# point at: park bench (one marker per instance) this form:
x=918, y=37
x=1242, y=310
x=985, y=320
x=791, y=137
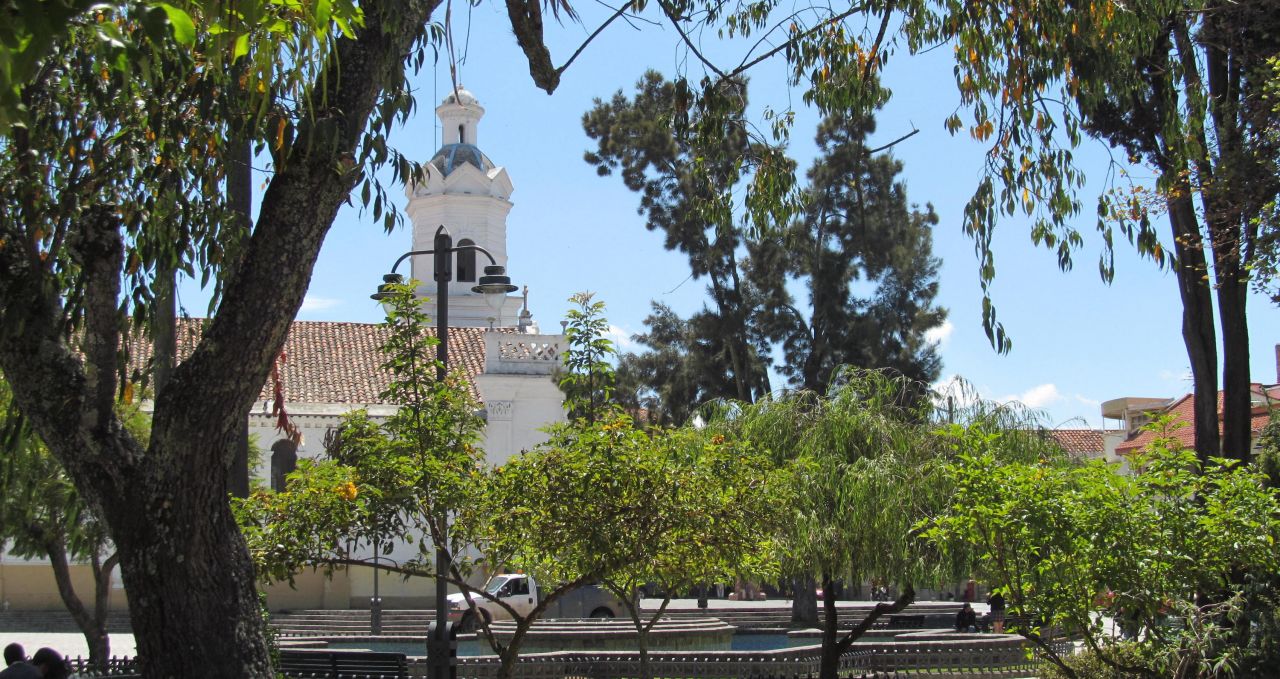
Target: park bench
x=300, y=664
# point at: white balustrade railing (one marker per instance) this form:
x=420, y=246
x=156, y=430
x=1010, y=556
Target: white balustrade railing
x=520, y=354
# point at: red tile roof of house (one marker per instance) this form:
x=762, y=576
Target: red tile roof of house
x=1079, y=441
x=1183, y=410
x=332, y=362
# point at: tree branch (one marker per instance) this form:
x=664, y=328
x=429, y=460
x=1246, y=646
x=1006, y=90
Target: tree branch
x=791, y=41
x=883, y=608
x=895, y=142
x=616, y=15
x=526, y=23
x=675, y=22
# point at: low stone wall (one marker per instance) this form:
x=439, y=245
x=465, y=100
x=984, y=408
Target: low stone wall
x=972, y=657
x=994, y=657
x=687, y=634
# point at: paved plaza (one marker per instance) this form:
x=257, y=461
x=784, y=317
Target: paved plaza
x=69, y=644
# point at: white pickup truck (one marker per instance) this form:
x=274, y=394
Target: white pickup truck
x=520, y=592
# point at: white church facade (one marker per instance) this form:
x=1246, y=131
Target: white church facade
x=328, y=369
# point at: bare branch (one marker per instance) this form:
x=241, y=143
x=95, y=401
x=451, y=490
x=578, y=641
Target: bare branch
x=675, y=22
x=843, y=15
x=616, y=15
x=904, y=137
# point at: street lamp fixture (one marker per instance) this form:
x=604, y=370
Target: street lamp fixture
x=494, y=285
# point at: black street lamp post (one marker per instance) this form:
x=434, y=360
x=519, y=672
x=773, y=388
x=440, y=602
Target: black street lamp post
x=494, y=285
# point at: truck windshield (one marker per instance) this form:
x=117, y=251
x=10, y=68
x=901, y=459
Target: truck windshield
x=495, y=585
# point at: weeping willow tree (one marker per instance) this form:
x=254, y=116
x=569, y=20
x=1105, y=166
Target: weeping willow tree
x=864, y=463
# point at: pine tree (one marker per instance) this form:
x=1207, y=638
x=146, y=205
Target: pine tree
x=863, y=253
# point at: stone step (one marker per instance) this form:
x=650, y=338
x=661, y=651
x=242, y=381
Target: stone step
x=57, y=621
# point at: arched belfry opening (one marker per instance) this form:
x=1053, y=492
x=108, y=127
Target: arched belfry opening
x=466, y=262
x=284, y=459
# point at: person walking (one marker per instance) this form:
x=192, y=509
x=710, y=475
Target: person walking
x=996, y=602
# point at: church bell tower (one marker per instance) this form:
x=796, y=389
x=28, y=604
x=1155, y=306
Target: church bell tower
x=470, y=196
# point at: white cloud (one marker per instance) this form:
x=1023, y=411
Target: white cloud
x=1087, y=401
x=957, y=393
x=939, y=334
x=312, y=303
x=1039, y=396
x=621, y=339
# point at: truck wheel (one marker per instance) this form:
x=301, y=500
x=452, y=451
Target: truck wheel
x=602, y=613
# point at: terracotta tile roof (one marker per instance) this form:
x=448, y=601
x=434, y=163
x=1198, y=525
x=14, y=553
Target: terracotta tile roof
x=1183, y=410
x=333, y=362
x=1079, y=441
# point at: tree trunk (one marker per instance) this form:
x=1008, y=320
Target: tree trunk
x=240, y=200
x=92, y=625
x=804, y=600
x=102, y=606
x=829, y=665
x=509, y=657
x=1237, y=407
x=642, y=642
x=1197, y=320
x=193, y=603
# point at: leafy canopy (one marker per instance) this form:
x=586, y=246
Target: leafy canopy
x=1065, y=541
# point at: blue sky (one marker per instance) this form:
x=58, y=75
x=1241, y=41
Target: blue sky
x=1077, y=342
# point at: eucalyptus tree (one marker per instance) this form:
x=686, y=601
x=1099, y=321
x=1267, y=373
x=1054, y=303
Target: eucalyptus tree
x=865, y=467
x=114, y=177
x=1176, y=87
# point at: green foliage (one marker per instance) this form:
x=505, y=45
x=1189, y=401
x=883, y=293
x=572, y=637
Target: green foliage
x=861, y=468
x=672, y=507
x=1090, y=664
x=43, y=516
x=380, y=482
x=1268, y=443
x=1038, y=77
x=1067, y=541
x=679, y=369
x=686, y=167
x=865, y=256
x=588, y=379
x=247, y=38
x=854, y=456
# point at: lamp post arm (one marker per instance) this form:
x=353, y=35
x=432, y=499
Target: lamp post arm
x=458, y=248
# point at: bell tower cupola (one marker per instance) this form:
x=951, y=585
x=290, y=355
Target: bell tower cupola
x=464, y=191
x=460, y=116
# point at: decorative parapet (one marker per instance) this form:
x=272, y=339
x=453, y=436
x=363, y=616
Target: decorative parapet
x=521, y=354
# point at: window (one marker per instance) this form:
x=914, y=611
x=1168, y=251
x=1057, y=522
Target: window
x=284, y=458
x=466, y=261
x=462, y=136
